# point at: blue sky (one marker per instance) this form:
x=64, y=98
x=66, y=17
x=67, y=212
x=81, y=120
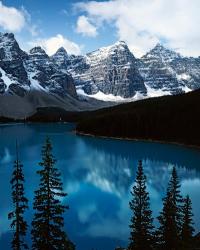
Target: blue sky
x=52, y=17
x=83, y=26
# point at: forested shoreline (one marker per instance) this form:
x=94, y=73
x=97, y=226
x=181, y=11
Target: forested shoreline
x=173, y=119
x=169, y=119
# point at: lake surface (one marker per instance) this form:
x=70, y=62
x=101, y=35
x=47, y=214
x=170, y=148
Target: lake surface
x=97, y=175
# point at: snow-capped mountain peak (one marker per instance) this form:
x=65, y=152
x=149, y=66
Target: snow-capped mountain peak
x=21, y=72
x=104, y=52
x=61, y=50
x=61, y=58
x=162, y=53
x=9, y=48
x=108, y=70
x=38, y=51
x=109, y=73
x=166, y=70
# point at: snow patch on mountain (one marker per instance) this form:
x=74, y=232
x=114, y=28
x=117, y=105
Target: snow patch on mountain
x=151, y=92
x=34, y=82
x=183, y=76
x=5, y=78
x=186, y=89
x=109, y=97
x=101, y=96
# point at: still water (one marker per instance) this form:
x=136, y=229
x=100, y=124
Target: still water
x=97, y=175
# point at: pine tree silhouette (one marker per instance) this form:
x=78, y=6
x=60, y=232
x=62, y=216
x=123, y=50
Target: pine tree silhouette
x=170, y=218
x=141, y=222
x=20, y=203
x=187, y=227
x=48, y=221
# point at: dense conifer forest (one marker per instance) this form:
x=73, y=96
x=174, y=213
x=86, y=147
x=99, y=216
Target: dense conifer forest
x=169, y=119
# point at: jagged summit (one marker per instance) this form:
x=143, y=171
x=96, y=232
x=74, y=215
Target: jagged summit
x=160, y=51
x=21, y=72
x=159, y=46
x=61, y=58
x=109, y=71
x=61, y=50
x=38, y=51
x=104, y=51
x=167, y=71
x=9, y=48
x=120, y=43
x=8, y=35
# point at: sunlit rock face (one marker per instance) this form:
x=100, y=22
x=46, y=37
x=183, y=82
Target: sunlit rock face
x=108, y=74
x=13, y=76
x=188, y=71
x=111, y=70
x=21, y=72
x=166, y=70
x=45, y=75
x=114, y=70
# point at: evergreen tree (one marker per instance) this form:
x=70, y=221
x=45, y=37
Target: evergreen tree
x=141, y=222
x=187, y=227
x=170, y=218
x=48, y=221
x=20, y=203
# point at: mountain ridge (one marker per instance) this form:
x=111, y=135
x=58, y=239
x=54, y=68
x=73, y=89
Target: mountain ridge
x=104, y=77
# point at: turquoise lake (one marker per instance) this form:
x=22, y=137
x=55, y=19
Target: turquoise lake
x=97, y=175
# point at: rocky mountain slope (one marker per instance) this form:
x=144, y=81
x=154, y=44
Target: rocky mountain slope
x=34, y=79
x=110, y=70
x=166, y=70
x=31, y=80
x=114, y=70
x=21, y=72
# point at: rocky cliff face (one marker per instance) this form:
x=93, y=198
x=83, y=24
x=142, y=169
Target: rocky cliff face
x=13, y=76
x=166, y=70
x=187, y=71
x=114, y=70
x=44, y=75
x=21, y=72
x=111, y=70
x=156, y=71
x=31, y=80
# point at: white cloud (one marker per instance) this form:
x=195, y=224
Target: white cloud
x=85, y=28
x=32, y=28
x=11, y=19
x=52, y=44
x=143, y=23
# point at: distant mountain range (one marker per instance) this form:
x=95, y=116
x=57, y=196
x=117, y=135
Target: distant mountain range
x=34, y=79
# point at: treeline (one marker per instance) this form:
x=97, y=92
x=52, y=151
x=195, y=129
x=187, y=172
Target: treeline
x=168, y=118
x=175, y=229
x=55, y=114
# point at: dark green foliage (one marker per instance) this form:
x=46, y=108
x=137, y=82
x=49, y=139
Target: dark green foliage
x=55, y=114
x=187, y=227
x=141, y=222
x=20, y=203
x=48, y=222
x=168, y=118
x=170, y=218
